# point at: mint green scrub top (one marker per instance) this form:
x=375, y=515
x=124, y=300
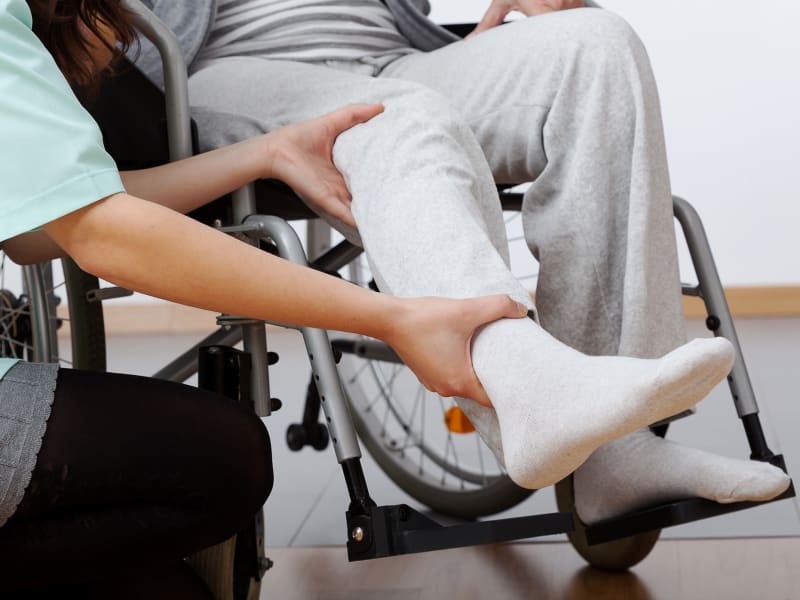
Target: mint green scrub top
x=52, y=160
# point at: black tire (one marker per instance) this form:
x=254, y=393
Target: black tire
x=247, y=567
x=617, y=555
x=230, y=569
x=88, y=336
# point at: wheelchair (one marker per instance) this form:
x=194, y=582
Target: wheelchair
x=355, y=382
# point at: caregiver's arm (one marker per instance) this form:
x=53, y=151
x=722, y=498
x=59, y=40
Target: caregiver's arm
x=299, y=154
x=146, y=247
x=33, y=247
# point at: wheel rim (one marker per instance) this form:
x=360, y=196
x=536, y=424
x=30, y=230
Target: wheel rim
x=408, y=421
x=31, y=320
x=28, y=321
x=616, y=555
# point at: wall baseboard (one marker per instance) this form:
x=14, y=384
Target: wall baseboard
x=151, y=318
x=777, y=301
x=166, y=318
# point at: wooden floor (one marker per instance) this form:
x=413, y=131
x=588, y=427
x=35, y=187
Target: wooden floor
x=729, y=569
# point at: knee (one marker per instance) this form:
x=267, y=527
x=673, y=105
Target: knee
x=264, y=477
x=407, y=145
x=238, y=475
x=421, y=105
x=413, y=115
x=605, y=35
x=250, y=476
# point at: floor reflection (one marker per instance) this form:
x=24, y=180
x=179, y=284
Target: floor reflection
x=598, y=585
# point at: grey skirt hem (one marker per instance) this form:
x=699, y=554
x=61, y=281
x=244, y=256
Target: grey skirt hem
x=26, y=398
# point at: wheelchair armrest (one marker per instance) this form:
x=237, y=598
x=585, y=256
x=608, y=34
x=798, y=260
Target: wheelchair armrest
x=144, y=127
x=176, y=86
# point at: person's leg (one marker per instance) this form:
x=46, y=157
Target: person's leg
x=133, y=473
x=568, y=100
x=426, y=206
x=422, y=239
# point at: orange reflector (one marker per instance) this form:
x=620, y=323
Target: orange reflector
x=457, y=421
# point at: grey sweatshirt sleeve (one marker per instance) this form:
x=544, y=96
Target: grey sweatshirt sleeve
x=190, y=20
x=412, y=21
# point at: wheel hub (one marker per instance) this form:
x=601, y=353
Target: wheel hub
x=15, y=324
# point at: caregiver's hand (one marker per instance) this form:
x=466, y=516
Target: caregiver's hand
x=301, y=155
x=433, y=336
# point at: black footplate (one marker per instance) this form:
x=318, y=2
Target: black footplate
x=399, y=529
x=672, y=513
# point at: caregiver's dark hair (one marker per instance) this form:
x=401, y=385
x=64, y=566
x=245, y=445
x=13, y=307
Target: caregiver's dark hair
x=58, y=23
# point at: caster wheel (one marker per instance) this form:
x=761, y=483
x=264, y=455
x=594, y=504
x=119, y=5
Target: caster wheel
x=617, y=555
x=219, y=567
x=296, y=437
x=319, y=437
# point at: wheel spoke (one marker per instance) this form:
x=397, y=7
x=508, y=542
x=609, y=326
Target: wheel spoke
x=479, y=451
x=25, y=324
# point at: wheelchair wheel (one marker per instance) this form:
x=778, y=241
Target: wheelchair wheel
x=87, y=328
x=617, y=555
x=404, y=428
x=233, y=569
x=29, y=324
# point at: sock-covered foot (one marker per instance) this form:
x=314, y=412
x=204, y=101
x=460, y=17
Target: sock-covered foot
x=641, y=469
x=555, y=406
x=484, y=419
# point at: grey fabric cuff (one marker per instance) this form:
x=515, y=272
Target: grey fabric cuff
x=26, y=398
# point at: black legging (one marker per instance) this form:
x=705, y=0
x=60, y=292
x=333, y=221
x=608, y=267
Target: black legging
x=133, y=473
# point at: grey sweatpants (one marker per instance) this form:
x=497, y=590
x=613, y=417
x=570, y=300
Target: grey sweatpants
x=566, y=100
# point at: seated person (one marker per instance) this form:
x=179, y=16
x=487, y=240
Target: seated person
x=565, y=99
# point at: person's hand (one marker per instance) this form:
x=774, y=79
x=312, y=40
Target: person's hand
x=433, y=336
x=300, y=155
x=499, y=9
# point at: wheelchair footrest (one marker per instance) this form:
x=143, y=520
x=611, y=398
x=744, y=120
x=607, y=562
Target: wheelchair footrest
x=672, y=513
x=399, y=529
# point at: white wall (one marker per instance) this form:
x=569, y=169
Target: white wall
x=729, y=77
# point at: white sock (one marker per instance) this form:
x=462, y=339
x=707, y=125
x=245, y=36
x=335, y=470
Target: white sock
x=555, y=406
x=484, y=419
x=641, y=469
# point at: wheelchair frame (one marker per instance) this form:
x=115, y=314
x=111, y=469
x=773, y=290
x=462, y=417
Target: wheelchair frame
x=377, y=531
